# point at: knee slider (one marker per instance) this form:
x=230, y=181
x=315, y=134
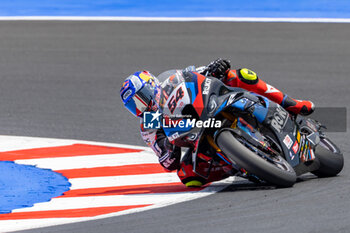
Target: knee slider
x=248, y=76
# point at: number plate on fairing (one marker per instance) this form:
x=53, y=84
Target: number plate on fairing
x=176, y=101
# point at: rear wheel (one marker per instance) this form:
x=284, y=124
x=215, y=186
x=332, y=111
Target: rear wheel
x=273, y=169
x=330, y=158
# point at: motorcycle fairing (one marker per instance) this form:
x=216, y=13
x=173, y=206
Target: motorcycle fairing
x=264, y=111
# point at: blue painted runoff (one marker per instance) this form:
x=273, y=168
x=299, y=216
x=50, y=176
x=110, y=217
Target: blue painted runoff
x=24, y=185
x=179, y=8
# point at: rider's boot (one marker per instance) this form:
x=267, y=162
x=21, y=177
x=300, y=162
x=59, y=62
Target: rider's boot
x=248, y=80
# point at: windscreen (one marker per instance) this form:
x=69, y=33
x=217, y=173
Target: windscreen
x=169, y=80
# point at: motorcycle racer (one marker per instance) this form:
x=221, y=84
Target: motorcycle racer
x=141, y=92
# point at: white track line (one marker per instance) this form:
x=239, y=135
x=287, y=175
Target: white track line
x=91, y=161
x=10, y=143
x=105, y=201
x=114, y=181
x=175, y=19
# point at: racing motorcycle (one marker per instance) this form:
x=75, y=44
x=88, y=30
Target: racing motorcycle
x=256, y=136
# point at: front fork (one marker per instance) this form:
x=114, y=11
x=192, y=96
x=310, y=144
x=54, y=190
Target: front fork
x=218, y=152
x=194, y=159
x=209, y=159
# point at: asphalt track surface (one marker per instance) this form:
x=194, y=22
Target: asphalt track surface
x=61, y=80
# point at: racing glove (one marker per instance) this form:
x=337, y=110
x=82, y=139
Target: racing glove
x=219, y=68
x=170, y=154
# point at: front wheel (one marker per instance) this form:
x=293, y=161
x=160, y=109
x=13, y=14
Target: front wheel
x=276, y=170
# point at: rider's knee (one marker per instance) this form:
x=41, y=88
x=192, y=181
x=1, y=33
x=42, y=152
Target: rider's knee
x=248, y=76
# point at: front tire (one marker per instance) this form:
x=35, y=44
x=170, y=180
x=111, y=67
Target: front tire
x=252, y=163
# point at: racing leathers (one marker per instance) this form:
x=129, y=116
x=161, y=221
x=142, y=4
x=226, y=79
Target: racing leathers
x=169, y=156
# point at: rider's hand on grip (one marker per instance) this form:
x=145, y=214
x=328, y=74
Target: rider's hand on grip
x=219, y=68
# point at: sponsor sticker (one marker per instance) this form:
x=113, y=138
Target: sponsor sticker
x=270, y=89
x=206, y=86
x=288, y=142
x=279, y=119
x=291, y=155
x=295, y=147
x=311, y=126
x=312, y=154
x=174, y=136
x=231, y=99
x=127, y=94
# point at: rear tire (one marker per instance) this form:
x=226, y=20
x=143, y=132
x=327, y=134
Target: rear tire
x=330, y=158
x=252, y=163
